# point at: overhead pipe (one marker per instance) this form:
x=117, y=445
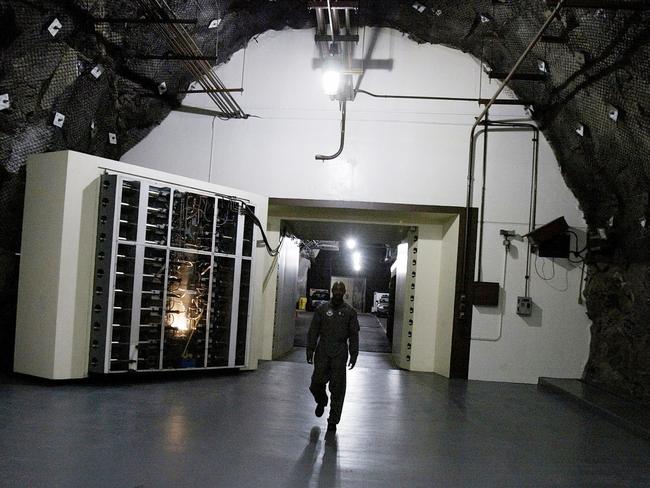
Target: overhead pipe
x=479, y=120
x=320, y=157
x=605, y=4
x=481, y=101
x=480, y=239
x=179, y=39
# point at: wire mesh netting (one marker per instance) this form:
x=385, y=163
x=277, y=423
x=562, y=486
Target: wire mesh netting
x=77, y=77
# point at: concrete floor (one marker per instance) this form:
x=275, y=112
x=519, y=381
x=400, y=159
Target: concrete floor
x=257, y=429
x=372, y=333
x=373, y=360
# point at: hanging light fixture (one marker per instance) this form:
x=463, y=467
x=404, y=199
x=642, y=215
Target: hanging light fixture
x=356, y=261
x=331, y=76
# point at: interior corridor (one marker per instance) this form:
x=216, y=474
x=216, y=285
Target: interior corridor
x=372, y=332
x=258, y=429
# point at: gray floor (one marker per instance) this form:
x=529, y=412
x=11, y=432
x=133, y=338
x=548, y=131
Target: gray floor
x=257, y=429
x=374, y=360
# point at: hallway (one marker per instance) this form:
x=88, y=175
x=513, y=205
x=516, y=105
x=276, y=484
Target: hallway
x=372, y=336
x=257, y=429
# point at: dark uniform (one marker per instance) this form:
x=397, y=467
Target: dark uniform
x=331, y=329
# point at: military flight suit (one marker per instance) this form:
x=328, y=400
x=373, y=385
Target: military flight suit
x=330, y=330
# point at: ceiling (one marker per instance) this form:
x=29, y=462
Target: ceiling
x=597, y=59
x=365, y=234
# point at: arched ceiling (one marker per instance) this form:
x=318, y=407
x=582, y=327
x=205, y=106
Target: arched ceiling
x=603, y=63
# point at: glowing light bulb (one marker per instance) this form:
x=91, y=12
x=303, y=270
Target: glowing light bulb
x=331, y=82
x=356, y=261
x=331, y=76
x=180, y=323
x=351, y=243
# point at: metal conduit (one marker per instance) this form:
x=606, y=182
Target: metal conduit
x=532, y=211
x=481, y=101
x=479, y=119
x=321, y=157
x=182, y=43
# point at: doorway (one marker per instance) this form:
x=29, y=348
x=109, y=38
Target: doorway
x=360, y=256
x=431, y=338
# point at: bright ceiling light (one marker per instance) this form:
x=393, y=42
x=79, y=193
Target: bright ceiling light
x=356, y=261
x=351, y=243
x=331, y=77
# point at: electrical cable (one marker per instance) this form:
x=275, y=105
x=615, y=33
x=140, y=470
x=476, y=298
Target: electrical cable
x=580, y=261
x=256, y=221
x=544, y=276
x=243, y=69
x=578, y=252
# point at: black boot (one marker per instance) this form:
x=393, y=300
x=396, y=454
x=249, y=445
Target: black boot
x=320, y=408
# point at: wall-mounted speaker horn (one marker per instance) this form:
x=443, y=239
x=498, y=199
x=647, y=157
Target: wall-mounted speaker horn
x=547, y=232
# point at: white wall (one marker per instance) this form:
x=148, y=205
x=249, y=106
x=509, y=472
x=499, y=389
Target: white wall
x=446, y=295
x=395, y=151
x=285, y=308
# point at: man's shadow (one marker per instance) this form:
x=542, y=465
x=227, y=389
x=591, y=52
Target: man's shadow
x=303, y=470
x=329, y=470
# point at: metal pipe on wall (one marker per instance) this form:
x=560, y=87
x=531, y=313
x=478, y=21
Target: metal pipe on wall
x=479, y=119
x=321, y=157
x=532, y=210
x=482, y=211
x=514, y=127
x=481, y=101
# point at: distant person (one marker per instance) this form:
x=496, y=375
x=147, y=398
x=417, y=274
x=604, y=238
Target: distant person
x=333, y=326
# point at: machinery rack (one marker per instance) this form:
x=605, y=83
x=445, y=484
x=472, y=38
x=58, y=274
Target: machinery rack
x=173, y=270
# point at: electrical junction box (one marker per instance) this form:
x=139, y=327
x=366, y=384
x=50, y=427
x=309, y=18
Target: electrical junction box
x=557, y=247
x=485, y=293
x=524, y=306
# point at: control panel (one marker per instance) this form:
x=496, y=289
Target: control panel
x=172, y=285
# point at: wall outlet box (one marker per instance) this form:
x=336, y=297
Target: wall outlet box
x=524, y=306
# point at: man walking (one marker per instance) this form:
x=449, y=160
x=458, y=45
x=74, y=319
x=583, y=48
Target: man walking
x=334, y=325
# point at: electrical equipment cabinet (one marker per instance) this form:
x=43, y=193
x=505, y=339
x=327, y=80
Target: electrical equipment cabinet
x=172, y=278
